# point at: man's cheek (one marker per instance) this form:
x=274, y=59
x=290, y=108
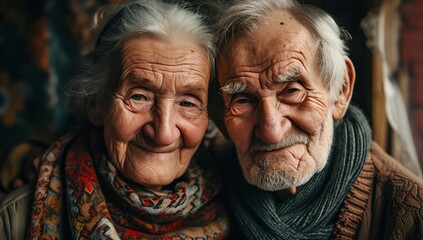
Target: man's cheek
x=308, y=122
x=240, y=134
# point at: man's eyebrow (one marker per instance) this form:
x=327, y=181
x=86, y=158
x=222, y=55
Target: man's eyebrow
x=289, y=76
x=233, y=87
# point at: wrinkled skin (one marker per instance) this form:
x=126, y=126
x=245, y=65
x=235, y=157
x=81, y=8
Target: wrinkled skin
x=277, y=111
x=155, y=120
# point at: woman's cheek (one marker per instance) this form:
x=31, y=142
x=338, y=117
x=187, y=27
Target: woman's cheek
x=194, y=131
x=124, y=126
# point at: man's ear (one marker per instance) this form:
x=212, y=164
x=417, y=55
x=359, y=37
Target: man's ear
x=342, y=102
x=94, y=113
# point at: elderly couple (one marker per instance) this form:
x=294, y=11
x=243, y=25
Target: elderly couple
x=299, y=163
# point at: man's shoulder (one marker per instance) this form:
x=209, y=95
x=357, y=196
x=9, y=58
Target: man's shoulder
x=14, y=212
x=385, y=202
x=397, y=197
x=389, y=170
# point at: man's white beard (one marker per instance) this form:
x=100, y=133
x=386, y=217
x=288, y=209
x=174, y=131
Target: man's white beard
x=270, y=179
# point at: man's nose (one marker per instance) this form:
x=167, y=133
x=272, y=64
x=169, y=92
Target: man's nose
x=272, y=124
x=163, y=129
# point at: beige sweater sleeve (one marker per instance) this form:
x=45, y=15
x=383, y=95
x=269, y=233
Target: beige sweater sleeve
x=14, y=213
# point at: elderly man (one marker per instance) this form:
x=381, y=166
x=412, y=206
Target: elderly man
x=307, y=166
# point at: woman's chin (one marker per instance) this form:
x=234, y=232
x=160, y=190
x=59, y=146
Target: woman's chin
x=155, y=181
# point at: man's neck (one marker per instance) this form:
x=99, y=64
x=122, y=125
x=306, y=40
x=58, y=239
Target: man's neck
x=284, y=194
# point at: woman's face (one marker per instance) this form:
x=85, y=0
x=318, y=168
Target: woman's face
x=155, y=120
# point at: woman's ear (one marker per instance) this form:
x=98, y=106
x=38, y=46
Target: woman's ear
x=342, y=101
x=94, y=113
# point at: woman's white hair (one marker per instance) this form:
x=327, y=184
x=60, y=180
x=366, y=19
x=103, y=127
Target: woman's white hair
x=242, y=16
x=118, y=23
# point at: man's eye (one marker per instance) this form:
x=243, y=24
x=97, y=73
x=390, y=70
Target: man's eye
x=242, y=100
x=243, y=104
x=292, y=90
x=292, y=95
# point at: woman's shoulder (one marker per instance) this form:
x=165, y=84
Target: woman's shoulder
x=14, y=212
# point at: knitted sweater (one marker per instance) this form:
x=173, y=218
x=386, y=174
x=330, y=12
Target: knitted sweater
x=385, y=202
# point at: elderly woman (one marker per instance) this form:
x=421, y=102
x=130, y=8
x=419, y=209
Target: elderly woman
x=134, y=167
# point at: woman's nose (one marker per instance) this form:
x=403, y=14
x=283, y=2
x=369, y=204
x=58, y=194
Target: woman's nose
x=272, y=125
x=163, y=129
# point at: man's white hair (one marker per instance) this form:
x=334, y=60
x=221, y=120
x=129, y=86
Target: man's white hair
x=242, y=17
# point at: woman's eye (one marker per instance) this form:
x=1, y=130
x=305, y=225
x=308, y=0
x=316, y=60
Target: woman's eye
x=189, y=106
x=186, y=104
x=138, y=97
x=138, y=94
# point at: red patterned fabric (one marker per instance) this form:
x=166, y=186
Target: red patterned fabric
x=79, y=192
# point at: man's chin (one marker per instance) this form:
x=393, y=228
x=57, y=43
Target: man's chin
x=278, y=181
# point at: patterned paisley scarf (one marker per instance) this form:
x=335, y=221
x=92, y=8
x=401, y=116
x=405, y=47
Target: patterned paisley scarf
x=79, y=194
x=312, y=212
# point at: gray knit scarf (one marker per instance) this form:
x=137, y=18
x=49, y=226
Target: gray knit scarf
x=312, y=212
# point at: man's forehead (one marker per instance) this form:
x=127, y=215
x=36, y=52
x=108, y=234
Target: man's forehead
x=280, y=29
x=270, y=44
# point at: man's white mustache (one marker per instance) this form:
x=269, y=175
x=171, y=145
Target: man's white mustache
x=292, y=137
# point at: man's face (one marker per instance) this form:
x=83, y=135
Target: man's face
x=155, y=120
x=277, y=110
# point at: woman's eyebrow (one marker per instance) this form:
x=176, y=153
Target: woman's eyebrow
x=193, y=88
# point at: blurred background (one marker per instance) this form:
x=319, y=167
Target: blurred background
x=41, y=43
